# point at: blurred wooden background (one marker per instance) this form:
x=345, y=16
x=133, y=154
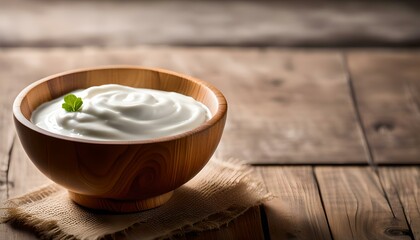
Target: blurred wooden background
x=45, y=23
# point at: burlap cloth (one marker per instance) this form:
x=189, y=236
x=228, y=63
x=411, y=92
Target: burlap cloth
x=222, y=191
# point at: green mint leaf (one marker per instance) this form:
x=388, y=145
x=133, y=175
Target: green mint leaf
x=67, y=107
x=78, y=104
x=70, y=99
x=72, y=103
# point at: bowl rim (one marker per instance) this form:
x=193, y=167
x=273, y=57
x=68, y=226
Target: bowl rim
x=220, y=113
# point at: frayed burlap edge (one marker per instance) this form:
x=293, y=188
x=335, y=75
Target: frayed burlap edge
x=11, y=213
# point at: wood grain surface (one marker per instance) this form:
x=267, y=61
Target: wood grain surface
x=402, y=186
x=23, y=177
x=296, y=212
x=387, y=87
x=6, y=129
x=311, y=87
x=357, y=206
x=286, y=106
x=296, y=105
x=44, y=23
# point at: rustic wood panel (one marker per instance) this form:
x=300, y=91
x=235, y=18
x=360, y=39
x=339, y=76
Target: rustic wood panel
x=12, y=80
x=6, y=143
x=7, y=131
x=23, y=177
x=387, y=87
x=301, y=126
x=44, y=23
x=356, y=205
x=285, y=106
x=402, y=186
x=296, y=212
x=9, y=87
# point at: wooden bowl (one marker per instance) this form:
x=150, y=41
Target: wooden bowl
x=119, y=176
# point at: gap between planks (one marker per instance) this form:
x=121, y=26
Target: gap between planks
x=341, y=201
x=366, y=143
x=356, y=109
x=5, y=169
x=9, y=159
x=387, y=92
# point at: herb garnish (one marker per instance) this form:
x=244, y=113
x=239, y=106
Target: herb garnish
x=72, y=103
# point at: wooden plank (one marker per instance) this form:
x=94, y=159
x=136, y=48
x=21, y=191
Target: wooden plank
x=8, y=90
x=288, y=107
x=7, y=132
x=6, y=144
x=23, y=177
x=285, y=106
x=402, y=186
x=204, y=22
x=387, y=87
x=296, y=212
x=356, y=205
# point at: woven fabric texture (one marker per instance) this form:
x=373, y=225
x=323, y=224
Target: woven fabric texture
x=222, y=191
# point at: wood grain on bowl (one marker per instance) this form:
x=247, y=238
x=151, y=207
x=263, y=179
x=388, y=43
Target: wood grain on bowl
x=120, y=176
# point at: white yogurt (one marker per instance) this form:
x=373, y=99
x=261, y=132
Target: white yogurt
x=116, y=112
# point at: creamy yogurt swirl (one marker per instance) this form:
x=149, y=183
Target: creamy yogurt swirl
x=116, y=112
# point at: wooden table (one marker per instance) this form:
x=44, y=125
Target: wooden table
x=335, y=134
